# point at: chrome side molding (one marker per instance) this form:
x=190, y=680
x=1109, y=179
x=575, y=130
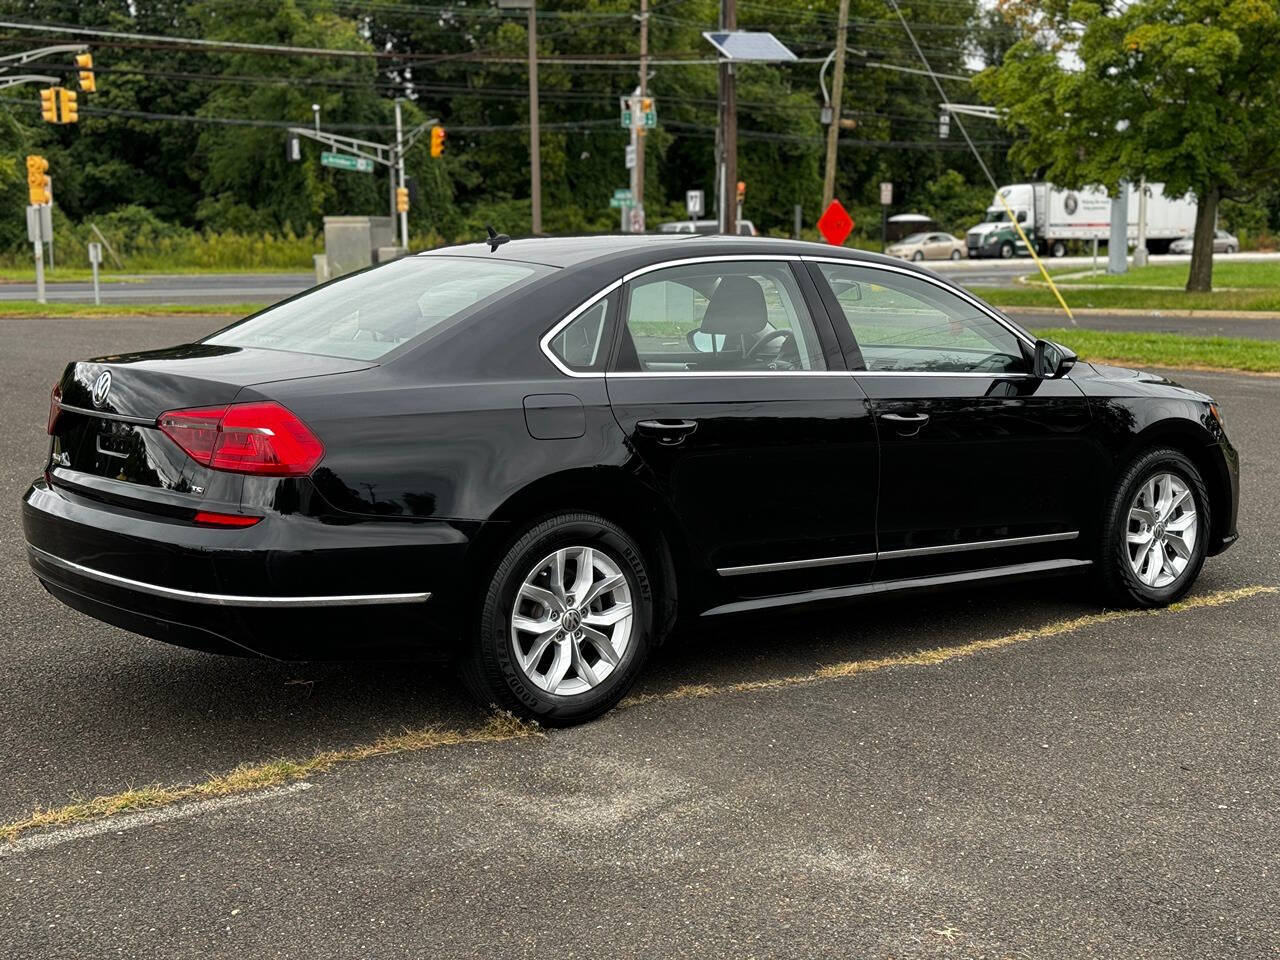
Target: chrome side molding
x=896, y=554
x=224, y=599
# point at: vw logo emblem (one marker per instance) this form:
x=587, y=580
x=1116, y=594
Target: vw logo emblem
x=101, y=387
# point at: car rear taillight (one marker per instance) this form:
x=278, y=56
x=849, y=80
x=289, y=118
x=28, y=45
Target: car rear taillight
x=206, y=518
x=259, y=438
x=55, y=406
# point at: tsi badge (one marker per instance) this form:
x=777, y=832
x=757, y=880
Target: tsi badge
x=101, y=388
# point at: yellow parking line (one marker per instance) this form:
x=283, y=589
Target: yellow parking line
x=502, y=727
x=937, y=655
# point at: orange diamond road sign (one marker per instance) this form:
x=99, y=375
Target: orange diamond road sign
x=835, y=223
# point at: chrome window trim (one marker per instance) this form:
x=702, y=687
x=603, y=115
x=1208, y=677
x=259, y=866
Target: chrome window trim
x=225, y=599
x=545, y=342
x=936, y=281
x=898, y=554
x=104, y=415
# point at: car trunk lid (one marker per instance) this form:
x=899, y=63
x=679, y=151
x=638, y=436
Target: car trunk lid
x=105, y=435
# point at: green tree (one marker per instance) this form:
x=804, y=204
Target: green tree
x=1184, y=92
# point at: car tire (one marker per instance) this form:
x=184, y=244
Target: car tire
x=955, y=254
x=498, y=664
x=1006, y=250
x=1126, y=578
x=1059, y=249
x=917, y=256
x=1229, y=250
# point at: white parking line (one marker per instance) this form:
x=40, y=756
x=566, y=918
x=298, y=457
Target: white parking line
x=145, y=818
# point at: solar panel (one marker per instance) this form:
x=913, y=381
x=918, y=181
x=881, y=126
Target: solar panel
x=747, y=45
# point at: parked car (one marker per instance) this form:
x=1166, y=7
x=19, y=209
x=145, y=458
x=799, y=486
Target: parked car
x=928, y=246
x=534, y=456
x=707, y=227
x=1223, y=242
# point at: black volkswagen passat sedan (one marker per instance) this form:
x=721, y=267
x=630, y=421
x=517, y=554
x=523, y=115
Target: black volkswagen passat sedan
x=534, y=456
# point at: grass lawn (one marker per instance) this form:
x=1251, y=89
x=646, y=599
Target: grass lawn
x=29, y=308
x=1169, y=349
x=1226, y=273
x=79, y=274
x=1126, y=298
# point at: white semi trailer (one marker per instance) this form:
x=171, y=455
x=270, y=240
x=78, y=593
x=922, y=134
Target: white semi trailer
x=1051, y=216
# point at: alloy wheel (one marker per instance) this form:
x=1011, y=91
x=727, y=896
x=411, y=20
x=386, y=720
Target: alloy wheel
x=572, y=621
x=1162, y=530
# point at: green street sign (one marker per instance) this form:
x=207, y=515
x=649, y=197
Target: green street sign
x=626, y=118
x=622, y=198
x=346, y=161
x=650, y=118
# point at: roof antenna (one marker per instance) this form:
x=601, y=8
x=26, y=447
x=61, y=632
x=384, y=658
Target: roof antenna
x=496, y=239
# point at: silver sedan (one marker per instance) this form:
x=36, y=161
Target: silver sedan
x=928, y=246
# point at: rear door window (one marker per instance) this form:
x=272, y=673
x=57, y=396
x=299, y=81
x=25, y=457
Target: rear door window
x=733, y=317
x=369, y=314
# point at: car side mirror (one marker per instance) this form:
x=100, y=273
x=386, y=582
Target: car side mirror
x=1051, y=360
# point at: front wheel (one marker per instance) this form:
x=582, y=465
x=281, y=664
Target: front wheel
x=566, y=623
x=917, y=256
x=1155, y=531
x=1006, y=250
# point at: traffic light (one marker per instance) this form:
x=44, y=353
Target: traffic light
x=742, y=190
x=85, y=62
x=37, y=180
x=67, y=106
x=49, y=104
x=437, y=141
x=402, y=198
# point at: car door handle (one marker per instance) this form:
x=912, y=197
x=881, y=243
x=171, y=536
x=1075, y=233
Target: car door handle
x=908, y=424
x=667, y=431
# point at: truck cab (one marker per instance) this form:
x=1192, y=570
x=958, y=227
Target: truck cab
x=996, y=235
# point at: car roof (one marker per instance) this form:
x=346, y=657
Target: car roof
x=632, y=251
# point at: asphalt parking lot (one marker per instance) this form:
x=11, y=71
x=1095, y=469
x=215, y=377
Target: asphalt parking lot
x=1050, y=780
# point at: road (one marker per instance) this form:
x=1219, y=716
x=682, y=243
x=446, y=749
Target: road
x=1055, y=783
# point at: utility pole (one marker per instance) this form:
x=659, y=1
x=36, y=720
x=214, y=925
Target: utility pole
x=833, y=131
x=729, y=129
x=639, y=130
x=535, y=143
x=399, y=168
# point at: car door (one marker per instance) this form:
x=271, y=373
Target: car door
x=731, y=389
x=936, y=247
x=982, y=464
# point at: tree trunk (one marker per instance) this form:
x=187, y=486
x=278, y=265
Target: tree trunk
x=1200, y=279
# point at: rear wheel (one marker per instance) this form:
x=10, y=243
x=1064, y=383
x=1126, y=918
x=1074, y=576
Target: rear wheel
x=955, y=254
x=1058, y=249
x=566, y=623
x=1155, y=530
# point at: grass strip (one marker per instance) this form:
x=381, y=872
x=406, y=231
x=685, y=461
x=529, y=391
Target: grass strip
x=22, y=309
x=936, y=656
x=1122, y=298
x=249, y=777
x=1226, y=273
x=1172, y=350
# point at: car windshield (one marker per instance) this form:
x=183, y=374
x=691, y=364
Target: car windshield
x=369, y=314
x=997, y=215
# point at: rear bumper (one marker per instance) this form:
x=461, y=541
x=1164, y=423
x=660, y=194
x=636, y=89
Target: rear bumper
x=290, y=587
